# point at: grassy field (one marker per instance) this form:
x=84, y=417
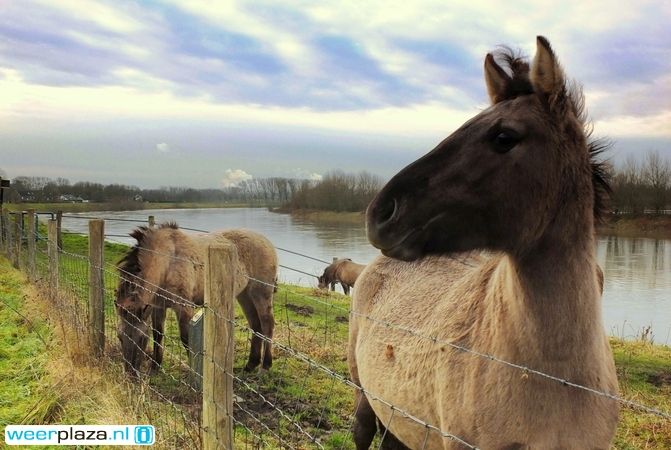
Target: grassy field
x=48, y=376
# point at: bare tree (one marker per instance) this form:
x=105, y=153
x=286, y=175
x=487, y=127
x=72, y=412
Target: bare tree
x=657, y=175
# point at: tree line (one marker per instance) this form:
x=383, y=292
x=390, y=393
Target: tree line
x=640, y=185
x=337, y=191
x=267, y=191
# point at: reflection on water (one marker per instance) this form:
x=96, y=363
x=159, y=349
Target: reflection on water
x=637, y=287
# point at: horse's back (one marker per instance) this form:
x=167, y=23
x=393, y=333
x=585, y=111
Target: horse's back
x=348, y=271
x=256, y=253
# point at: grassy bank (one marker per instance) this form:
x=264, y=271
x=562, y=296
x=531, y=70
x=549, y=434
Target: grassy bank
x=325, y=217
x=49, y=380
x=650, y=226
x=121, y=206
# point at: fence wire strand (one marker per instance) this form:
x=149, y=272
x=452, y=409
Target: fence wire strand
x=169, y=382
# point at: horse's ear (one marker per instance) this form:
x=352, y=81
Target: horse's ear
x=547, y=75
x=497, y=80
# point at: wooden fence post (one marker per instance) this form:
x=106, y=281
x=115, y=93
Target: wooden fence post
x=30, y=236
x=59, y=220
x=9, y=247
x=218, y=343
x=16, y=241
x=96, y=288
x=3, y=230
x=53, y=258
x=196, y=350
x=151, y=221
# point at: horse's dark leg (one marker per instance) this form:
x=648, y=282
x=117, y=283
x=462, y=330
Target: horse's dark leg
x=389, y=441
x=333, y=285
x=265, y=311
x=255, y=324
x=345, y=288
x=184, y=315
x=158, y=323
x=365, y=426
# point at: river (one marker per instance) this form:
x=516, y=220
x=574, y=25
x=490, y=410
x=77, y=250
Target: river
x=637, y=286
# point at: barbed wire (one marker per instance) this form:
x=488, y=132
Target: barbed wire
x=333, y=373
x=487, y=356
x=113, y=219
x=458, y=347
x=198, y=230
x=336, y=376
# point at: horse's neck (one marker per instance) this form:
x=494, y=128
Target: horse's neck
x=552, y=296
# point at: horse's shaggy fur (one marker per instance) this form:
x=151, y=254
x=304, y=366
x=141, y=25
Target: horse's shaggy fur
x=342, y=271
x=165, y=269
x=489, y=245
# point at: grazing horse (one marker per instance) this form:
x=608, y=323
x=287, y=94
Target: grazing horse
x=488, y=245
x=165, y=269
x=342, y=271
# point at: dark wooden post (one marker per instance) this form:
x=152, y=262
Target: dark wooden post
x=59, y=220
x=53, y=259
x=96, y=288
x=196, y=350
x=30, y=236
x=3, y=230
x=8, y=235
x=16, y=240
x=151, y=221
x=218, y=343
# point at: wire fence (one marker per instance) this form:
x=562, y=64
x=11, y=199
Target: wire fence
x=306, y=400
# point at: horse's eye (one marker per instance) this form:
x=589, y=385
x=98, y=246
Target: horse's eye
x=504, y=141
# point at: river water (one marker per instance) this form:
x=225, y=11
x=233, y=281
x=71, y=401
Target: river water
x=637, y=287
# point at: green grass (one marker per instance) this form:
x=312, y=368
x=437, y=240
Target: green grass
x=310, y=321
x=24, y=339
x=644, y=372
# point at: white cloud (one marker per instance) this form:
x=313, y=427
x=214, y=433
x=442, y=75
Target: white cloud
x=232, y=177
x=163, y=147
x=306, y=175
x=653, y=126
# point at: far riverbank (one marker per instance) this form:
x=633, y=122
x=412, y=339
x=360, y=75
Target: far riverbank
x=648, y=226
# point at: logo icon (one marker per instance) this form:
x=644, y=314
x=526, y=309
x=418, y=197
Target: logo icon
x=144, y=434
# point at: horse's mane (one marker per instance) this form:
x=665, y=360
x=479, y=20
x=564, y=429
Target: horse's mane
x=130, y=263
x=570, y=98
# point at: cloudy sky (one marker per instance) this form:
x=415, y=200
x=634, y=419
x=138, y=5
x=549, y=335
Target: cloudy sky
x=207, y=93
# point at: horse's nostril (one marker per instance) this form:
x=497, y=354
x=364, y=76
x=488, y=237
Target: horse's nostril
x=387, y=211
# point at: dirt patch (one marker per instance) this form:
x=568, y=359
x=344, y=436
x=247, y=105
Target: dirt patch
x=660, y=379
x=322, y=293
x=342, y=319
x=301, y=310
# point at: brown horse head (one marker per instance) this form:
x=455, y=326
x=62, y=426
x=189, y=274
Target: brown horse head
x=133, y=326
x=322, y=282
x=500, y=181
